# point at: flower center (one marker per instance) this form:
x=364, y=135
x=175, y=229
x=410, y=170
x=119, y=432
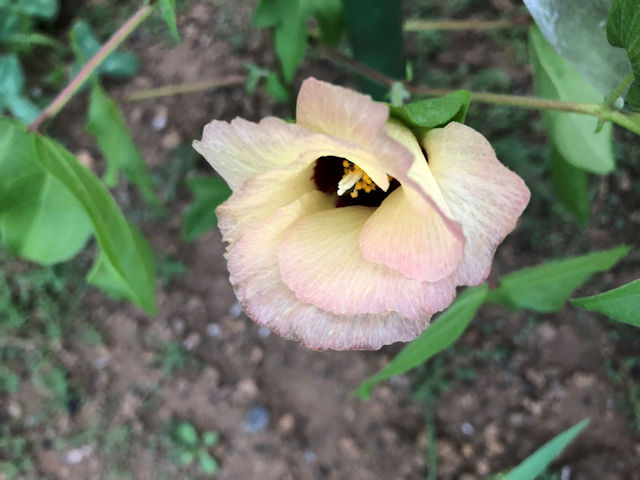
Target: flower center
x=338, y=176
x=354, y=178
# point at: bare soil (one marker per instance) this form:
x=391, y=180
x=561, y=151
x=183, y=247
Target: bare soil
x=530, y=378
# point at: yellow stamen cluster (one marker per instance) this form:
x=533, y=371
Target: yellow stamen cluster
x=364, y=182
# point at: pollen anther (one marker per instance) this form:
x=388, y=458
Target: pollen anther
x=354, y=178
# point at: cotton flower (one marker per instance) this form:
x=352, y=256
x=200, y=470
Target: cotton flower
x=344, y=230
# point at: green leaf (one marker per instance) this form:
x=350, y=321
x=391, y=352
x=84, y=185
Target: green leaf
x=570, y=185
x=105, y=275
x=23, y=109
x=330, y=19
x=200, y=217
x=288, y=19
x=621, y=304
x=434, y=112
x=10, y=24
x=375, y=34
x=207, y=463
x=209, y=439
x=270, y=13
x=623, y=30
x=125, y=251
x=46, y=9
x=573, y=134
x=546, y=287
x=184, y=458
x=575, y=30
x=108, y=126
x=254, y=74
x=85, y=45
x=187, y=434
x=276, y=90
x=168, y=10
x=40, y=219
x=11, y=77
x=440, y=335
x=535, y=464
x=290, y=40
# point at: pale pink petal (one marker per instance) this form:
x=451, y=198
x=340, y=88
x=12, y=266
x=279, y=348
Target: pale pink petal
x=255, y=275
x=241, y=149
x=418, y=180
x=355, y=117
x=407, y=232
x=418, y=244
x=340, y=112
x=484, y=196
x=320, y=261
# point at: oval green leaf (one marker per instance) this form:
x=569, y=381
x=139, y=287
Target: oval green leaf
x=622, y=303
x=200, y=217
x=575, y=29
x=168, y=10
x=623, y=30
x=434, y=112
x=108, y=126
x=125, y=251
x=545, y=288
x=572, y=134
x=40, y=220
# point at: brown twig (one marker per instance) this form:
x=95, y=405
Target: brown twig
x=631, y=121
x=457, y=25
x=116, y=39
x=168, y=90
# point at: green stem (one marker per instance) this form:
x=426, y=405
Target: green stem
x=112, y=44
x=432, y=439
x=613, y=96
x=628, y=121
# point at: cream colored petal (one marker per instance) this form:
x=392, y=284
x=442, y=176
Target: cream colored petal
x=240, y=150
x=417, y=244
x=483, y=195
x=320, y=261
x=255, y=275
x=264, y=193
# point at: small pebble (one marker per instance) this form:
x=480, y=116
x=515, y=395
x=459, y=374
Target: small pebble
x=264, y=332
x=178, y=326
x=400, y=381
x=257, y=420
x=286, y=423
x=467, y=428
x=310, y=456
x=247, y=388
x=101, y=363
x=192, y=341
x=77, y=454
x=235, y=310
x=160, y=119
x=214, y=330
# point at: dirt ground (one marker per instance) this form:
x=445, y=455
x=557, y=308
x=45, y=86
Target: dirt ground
x=513, y=381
